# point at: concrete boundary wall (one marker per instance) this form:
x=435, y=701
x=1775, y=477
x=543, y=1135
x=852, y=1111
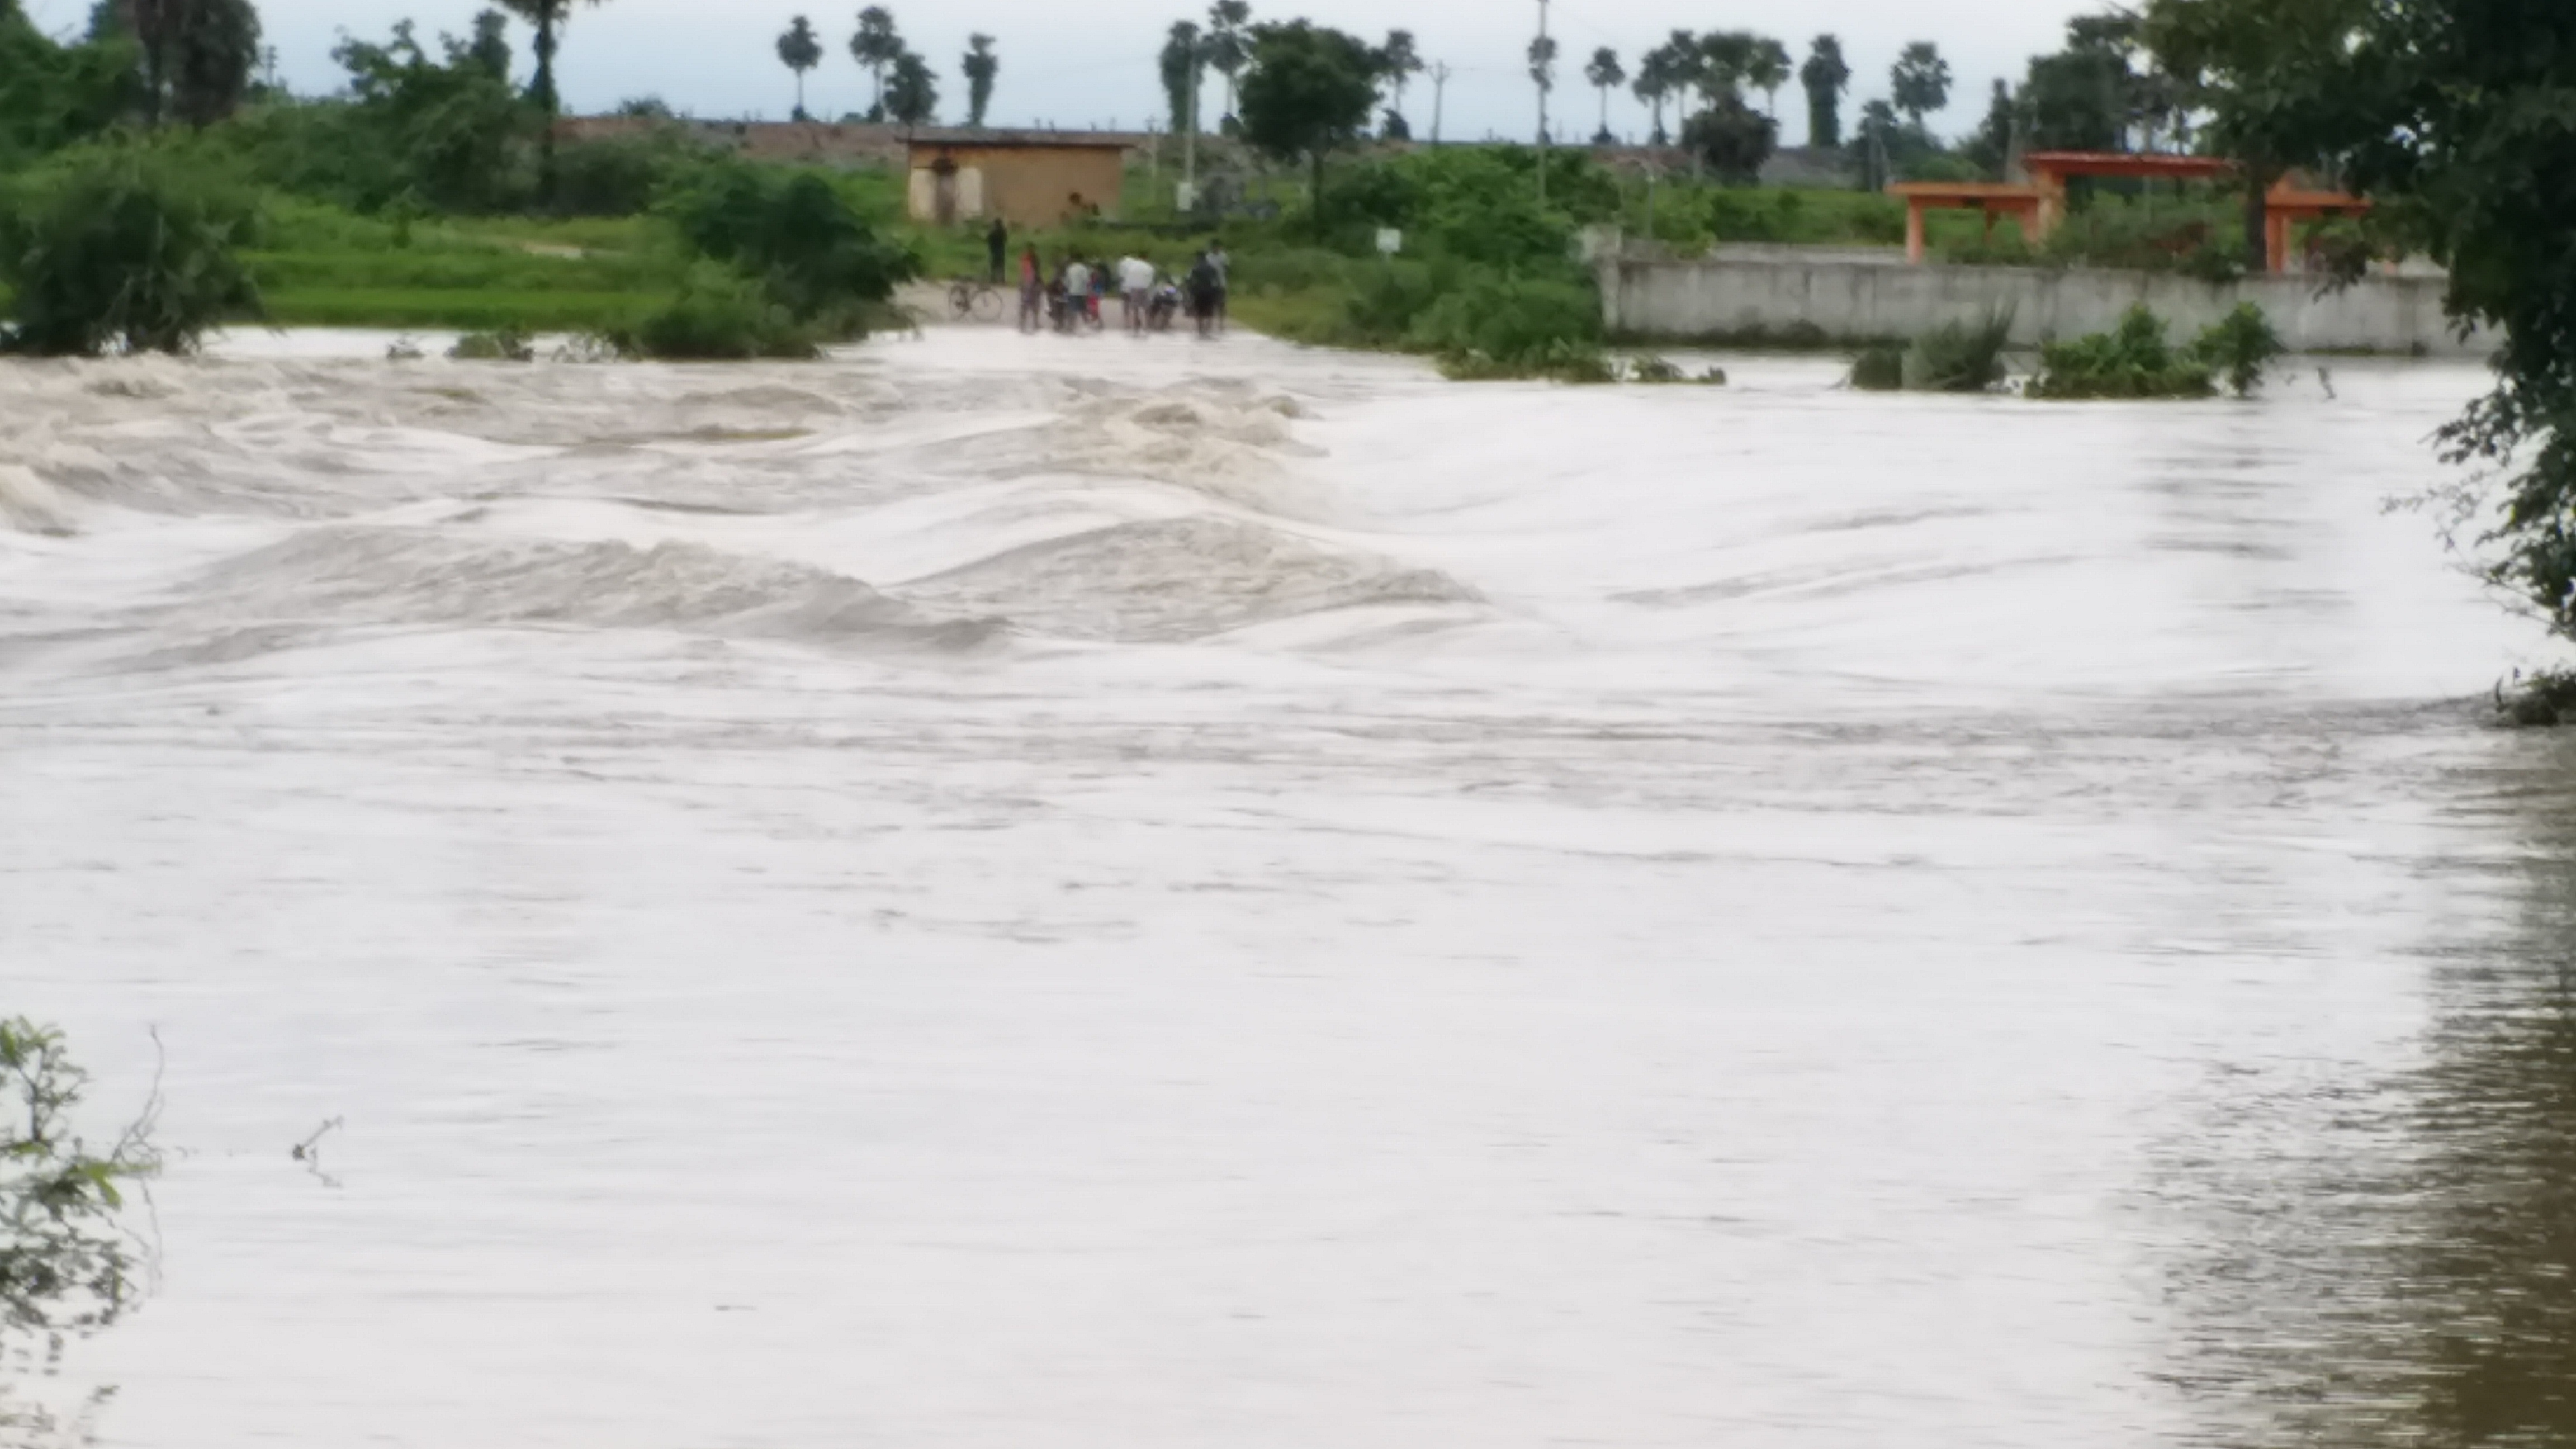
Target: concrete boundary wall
x=1855, y=301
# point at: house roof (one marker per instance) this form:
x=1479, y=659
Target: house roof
x=959, y=137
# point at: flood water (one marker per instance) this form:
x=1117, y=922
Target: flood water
x=1068, y=893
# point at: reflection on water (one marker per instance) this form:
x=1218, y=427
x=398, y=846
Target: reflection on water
x=1051, y=893
x=2389, y=1254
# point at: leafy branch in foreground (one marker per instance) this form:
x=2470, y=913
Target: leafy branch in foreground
x=67, y=1266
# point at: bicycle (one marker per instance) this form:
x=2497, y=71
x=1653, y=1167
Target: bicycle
x=980, y=301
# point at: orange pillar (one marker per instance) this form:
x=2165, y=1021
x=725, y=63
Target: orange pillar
x=2276, y=242
x=1914, y=231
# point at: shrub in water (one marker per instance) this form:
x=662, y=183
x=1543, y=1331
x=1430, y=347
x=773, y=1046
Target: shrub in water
x=2132, y=361
x=719, y=315
x=1880, y=369
x=122, y=248
x=1516, y=327
x=1957, y=357
x=506, y=344
x=1662, y=371
x=2240, y=346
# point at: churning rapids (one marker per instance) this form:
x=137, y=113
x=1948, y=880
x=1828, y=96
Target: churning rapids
x=1066, y=893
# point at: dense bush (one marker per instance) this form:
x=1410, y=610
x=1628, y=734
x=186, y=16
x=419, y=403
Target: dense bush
x=502, y=344
x=2131, y=361
x=719, y=315
x=798, y=235
x=1959, y=357
x=122, y=247
x=2239, y=347
x=1502, y=326
x=620, y=176
x=1879, y=369
x=67, y=1265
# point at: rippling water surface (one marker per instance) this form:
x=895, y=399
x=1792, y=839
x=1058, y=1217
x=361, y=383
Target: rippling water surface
x=1067, y=893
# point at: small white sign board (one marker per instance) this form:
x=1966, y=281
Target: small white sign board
x=1389, y=240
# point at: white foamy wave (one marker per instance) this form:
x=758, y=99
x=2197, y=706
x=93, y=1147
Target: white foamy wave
x=28, y=504
x=374, y=576
x=1177, y=579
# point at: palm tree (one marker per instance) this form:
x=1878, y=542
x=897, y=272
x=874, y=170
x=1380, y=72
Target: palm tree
x=1919, y=84
x=1605, y=72
x=979, y=66
x=1730, y=58
x=548, y=16
x=876, y=46
x=800, y=51
x=1399, y=62
x=1228, y=51
x=1826, y=76
x=1655, y=84
x=1768, y=71
x=1689, y=69
x=1542, y=70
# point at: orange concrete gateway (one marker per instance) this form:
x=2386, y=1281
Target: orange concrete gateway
x=2040, y=205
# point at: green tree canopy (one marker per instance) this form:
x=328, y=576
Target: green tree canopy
x=1919, y=82
x=1184, y=58
x=549, y=18
x=912, y=92
x=1307, y=93
x=1826, y=76
x=1228, y=46
x=800, y=50
x=1733, y=138
x=2274, y=79
x=876, y=45
x=1606, y=75
x=979, y=65
x=2458, y=114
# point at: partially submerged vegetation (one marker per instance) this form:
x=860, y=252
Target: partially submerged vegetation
x=1956, y=357
x=2134, y=360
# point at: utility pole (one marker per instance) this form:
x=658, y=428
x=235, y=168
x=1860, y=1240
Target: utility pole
x=1542, y=109
x=1439, y=90
x=1190, y=144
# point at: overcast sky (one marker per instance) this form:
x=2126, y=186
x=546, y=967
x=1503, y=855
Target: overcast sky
x=1091, y=62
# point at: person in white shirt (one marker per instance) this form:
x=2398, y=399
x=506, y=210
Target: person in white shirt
x=1077, y=286
x=1135, y=291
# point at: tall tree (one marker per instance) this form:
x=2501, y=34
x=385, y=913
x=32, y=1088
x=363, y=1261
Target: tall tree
x=876, y=45
x=548, y=16
x=1690, y=72
x=1307, y=94
x=1654, y=85
x=1228, y=45
x=800, y=50
x=1733, y=138
x=1878, y=137
x=2266, y=76
x=2458, y=109
x=1605, y=73
x=489, y=45
x=1184, y=57
x=979, y=65
x=1992, y=147
x=2072, y=100
x=1730, y=60
x=217, y=53
x=1919, y=83
x=1826, y=76
x=1399, y=62
x=1767, y=71
x=1542, y=73
x=196, y=57
x=912, y=92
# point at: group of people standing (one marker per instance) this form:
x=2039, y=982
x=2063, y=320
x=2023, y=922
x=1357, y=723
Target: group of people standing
x=1072, y=297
